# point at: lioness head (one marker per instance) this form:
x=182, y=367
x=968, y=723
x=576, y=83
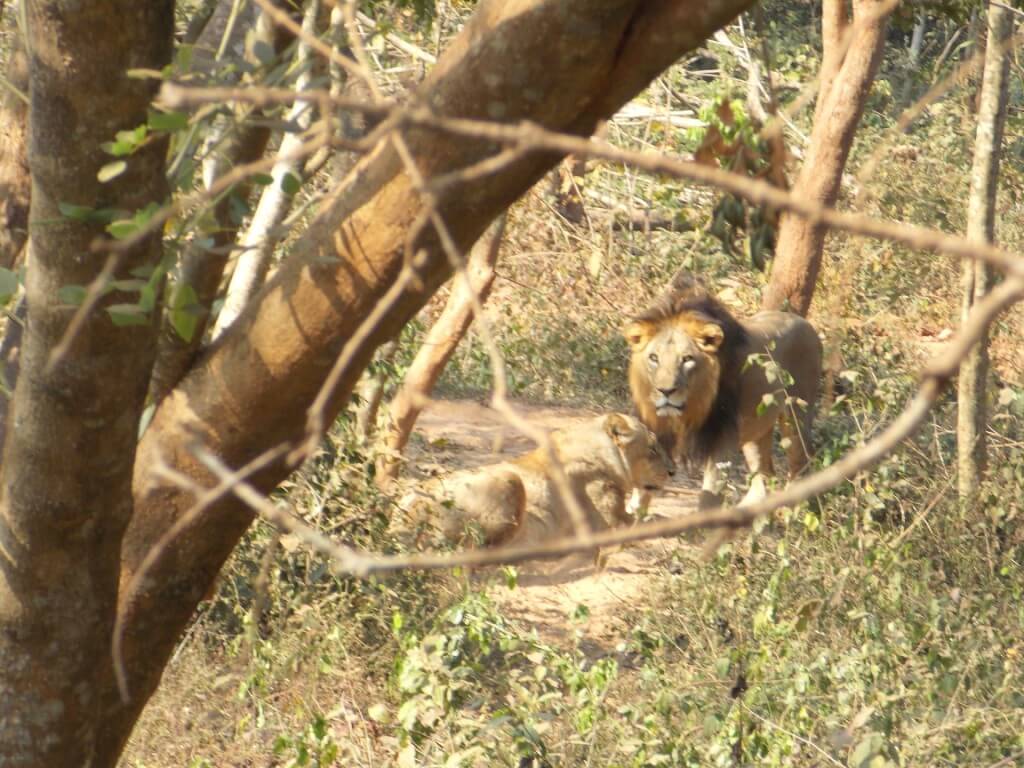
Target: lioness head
x=648, y=465
x=674, y=369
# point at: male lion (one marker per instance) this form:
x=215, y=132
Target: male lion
x=605, y=459
x=694, y=383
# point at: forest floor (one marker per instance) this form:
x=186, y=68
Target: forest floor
x=457, y=434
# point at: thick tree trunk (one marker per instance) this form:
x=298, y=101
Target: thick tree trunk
x=977, y=277
x=844, y=92
x=438, y=348
x=565, y=64
x=66, y=497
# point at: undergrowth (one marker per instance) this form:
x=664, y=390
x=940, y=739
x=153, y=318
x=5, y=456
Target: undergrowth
x=880, y=625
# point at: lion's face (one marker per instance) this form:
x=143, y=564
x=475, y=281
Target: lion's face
x=647, y=463
x=674, y=365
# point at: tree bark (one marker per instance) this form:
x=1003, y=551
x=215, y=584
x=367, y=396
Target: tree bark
x=370, y=390
x=438, y=348
x=913, y=57
x=15, y=183
x=977, y=277
x=565, y=64
x=801, y=242
x=66, y=496
x=263, y=233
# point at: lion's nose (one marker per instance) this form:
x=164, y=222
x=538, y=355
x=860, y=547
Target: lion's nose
x=666, y=391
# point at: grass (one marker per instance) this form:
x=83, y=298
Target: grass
x=881, y=625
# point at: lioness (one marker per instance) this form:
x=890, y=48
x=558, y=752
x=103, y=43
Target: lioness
x=604, y=458
x=695, y=384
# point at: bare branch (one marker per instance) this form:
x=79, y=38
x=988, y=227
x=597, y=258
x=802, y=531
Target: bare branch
x=530, y=137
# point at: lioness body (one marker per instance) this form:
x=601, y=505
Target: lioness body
x=695, y=383
x=517, y=502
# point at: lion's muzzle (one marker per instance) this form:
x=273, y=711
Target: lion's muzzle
x=669, y=402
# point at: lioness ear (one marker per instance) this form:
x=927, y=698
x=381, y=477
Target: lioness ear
x=616, y=426
x=636, y=333
x=710, y=337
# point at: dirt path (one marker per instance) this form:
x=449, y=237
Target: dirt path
x=463, y=433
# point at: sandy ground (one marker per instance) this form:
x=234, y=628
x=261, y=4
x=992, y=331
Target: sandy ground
x=457, y=434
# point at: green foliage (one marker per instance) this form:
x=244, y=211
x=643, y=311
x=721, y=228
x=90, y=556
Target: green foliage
x=475, y=688
x=314, y=747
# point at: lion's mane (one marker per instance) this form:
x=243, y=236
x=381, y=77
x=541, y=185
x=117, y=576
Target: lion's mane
x=687, y=296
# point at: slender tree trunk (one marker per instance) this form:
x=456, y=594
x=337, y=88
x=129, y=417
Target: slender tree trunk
x=582, y=62
x=370, y=390
x=977, y=277
x=257, y=244
x=913, y=57
x=15, y=184
x=438, y=348
x=10, y=359
x=844, y=90
x=193, y=289
x=65, y=495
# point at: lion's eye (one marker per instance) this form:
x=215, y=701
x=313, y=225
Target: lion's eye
x=688, y=360
x=653, y=358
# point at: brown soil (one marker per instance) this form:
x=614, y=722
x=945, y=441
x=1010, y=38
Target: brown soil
x=460, y=434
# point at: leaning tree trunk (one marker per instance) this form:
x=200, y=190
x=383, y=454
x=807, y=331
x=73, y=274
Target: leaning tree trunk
x=977, y=276
x=846, y=79
x=581, y=61
x=66, y=485
x=438, y=348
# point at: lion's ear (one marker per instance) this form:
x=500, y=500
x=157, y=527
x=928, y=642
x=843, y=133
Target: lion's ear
x=710, y=337
x=637, y=333
x=617, y=427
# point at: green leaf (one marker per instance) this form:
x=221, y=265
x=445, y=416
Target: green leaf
x=183, y=58
x=263, y=52
x=85, y=213
x=129, y=286
x=290, y=183
x=126, y=227
x=141, y=73
x=127, y=314
x=111, y=171
x=184, y=311
x=868, y=748
x=125, y=142
x=262, y=179
x=167, y=121
x=72, y=294
x=123, y=229
x=8, y=284
x=147, y=298
x=143, y=272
